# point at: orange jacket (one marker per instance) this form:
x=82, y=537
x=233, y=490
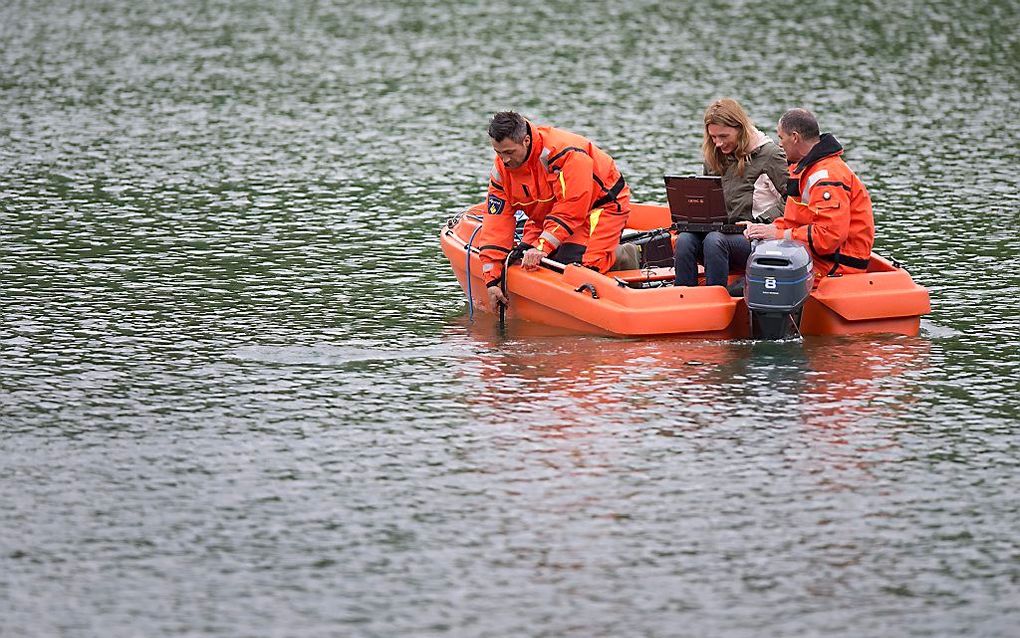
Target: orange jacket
x=829, y=210
x=564, y=178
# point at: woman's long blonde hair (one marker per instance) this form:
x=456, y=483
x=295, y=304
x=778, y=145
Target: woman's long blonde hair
x=727, y=112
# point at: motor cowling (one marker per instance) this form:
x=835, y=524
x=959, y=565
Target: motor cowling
x=777, y=282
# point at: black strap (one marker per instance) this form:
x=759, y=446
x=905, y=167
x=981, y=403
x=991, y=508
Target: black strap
x=611, y=194
x=493, y=247
x=840, y=184
x=564, y=152
x=837, y=258
x=562, y=224
x=853, y=262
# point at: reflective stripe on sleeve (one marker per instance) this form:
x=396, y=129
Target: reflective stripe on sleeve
x=811, y=181
x=549, y=237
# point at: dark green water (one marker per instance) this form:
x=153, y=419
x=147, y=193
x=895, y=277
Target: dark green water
x=240, y=394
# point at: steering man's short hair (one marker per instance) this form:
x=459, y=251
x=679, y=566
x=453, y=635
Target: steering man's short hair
x=508, y=124
x=800, y=121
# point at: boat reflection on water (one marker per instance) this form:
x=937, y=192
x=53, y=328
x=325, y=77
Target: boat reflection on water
x=859, y=379
x=738, y=424
x=823, y=385
x=858, y=398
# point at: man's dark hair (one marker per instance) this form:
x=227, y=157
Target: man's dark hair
x=508, y=124
x=800, y=121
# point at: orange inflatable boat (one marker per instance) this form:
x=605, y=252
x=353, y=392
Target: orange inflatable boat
x=645, y=303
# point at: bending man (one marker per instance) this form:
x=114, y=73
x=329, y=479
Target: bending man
x=576, y=200
x=827, y=208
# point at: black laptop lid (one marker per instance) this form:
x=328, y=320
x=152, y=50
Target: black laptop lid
x=696, y=199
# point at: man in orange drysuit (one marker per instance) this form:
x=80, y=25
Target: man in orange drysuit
x=576, y=200
x=827, y=208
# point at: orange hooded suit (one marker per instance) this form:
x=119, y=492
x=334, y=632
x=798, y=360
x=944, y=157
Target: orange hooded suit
x=571, y=192
x=829, y=210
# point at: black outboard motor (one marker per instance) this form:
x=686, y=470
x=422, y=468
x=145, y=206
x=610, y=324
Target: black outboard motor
x=777, y=282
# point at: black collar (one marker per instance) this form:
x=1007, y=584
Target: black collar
x=827, y=145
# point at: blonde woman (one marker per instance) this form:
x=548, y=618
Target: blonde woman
x=753, y=170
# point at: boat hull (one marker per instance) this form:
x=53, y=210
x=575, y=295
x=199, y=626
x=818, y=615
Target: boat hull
x=883, y=300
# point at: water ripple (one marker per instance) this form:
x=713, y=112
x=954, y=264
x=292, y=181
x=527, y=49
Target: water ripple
x=240, y=395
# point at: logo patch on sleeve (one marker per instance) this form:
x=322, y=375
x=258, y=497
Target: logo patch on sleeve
x=495, y=205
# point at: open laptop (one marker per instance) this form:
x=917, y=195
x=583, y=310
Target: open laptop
x=696, y=204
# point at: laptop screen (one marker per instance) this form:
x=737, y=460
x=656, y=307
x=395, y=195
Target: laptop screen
x=696, y=199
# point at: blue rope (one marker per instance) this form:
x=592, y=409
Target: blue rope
x=471, y=301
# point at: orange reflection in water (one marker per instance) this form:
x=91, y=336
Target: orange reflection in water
x=857, y=398
x=554, y=381
x=830, y=409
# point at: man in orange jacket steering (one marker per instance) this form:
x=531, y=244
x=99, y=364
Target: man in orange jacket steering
x=575, y=199
x=827, y=207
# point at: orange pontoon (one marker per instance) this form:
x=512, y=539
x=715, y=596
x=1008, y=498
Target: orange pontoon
x=636, y=303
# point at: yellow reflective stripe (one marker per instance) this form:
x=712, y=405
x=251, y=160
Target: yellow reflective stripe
x=595, y=214
x=563, y=185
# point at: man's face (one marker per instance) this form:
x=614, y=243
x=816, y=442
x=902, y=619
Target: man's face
x=789, y=142
x=513, y=154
